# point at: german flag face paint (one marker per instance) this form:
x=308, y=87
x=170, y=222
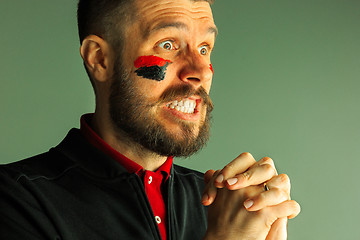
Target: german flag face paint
x=151, y=67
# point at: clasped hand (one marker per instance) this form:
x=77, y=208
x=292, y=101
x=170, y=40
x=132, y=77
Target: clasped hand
x=240, y=205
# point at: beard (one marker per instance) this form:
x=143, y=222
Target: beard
x=134, y=118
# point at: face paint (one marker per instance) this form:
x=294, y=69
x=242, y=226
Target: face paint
x=211, y=69
x=151, y=67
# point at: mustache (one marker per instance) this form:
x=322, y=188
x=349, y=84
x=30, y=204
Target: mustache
x=185, y=91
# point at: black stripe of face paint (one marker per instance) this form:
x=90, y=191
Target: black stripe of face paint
x=152, y=72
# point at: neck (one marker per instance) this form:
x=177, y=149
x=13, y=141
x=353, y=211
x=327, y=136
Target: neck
x=123, y=144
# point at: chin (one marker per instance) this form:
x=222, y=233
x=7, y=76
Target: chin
x=177, y=130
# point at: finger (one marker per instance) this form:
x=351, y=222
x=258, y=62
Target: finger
x=278, y=230
x=288, y=209
x=254, y=176
x=266, y=160
x=239, y=165
x=282, y=182
x=265, y=199
x=210, y=190
x=208, y=175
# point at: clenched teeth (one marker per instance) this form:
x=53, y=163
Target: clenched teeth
x=185, y=106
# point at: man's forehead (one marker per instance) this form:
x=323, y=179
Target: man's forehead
x=177, y=24
x=158, y=5
x=156, y=15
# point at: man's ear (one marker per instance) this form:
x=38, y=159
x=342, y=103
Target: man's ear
x=98, y=57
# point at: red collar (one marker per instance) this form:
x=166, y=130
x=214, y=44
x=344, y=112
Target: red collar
x=127, y=163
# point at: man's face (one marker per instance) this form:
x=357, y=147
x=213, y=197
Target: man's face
x=160, y=89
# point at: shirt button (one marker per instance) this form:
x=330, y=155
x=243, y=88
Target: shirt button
x=158, y=219
x=150, y=180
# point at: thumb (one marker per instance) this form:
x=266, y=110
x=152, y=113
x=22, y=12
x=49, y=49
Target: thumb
x=278, y=230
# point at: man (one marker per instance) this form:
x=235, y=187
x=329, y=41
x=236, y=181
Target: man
x=149, y=64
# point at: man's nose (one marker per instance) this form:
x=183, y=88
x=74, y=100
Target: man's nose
x=196, y=69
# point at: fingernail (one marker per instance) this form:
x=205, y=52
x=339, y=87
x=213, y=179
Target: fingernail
x=248, y=204
x=220, y=178
x=205, y=198
x=232, y=181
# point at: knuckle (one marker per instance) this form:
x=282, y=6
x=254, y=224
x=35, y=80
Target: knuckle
x=268, y=160
x=295, y=206
x=284, y=178
x=261, y=197
x=208, y=174
x=246, y=154
x=226, y=171
x=269, y=168
x=293, y=209
x=281, y=195
x=276, y=193
x=246, y=176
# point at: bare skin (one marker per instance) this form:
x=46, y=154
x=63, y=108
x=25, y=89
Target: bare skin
x=184, y=32
x=263, y=214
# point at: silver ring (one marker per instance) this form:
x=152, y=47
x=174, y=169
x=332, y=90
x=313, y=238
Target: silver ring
x=266, y=187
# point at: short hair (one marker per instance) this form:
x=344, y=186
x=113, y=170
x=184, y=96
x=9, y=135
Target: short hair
x=106, y=18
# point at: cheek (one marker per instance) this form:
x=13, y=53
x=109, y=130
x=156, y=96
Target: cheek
x=151, y=67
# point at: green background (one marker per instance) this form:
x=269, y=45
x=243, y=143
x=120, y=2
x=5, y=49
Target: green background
x=286, y=86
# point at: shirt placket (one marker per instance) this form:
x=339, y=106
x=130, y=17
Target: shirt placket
x=152, y=183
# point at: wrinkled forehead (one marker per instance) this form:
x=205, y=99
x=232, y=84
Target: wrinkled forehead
x=154, y=14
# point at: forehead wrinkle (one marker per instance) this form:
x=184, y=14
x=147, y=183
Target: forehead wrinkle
x=191, y=6
x=164, y=25
x=195, y=13
x=162, y=22
x=154, y=16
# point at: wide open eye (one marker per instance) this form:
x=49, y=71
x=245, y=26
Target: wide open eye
x=203, y=50
x=167, y=45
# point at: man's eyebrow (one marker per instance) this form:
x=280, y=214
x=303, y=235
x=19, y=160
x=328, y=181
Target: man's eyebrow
x=178, y=25
x=213, y=30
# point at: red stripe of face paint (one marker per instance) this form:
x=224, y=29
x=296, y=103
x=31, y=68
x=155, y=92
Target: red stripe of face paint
x=211, y=68
x=148, y=61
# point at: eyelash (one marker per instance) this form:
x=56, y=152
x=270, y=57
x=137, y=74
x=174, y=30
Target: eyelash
x=161, y=45
x=173, y=47
x=207, y=47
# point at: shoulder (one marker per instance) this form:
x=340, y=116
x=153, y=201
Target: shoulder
x=48, y=165
x=188, y=178
x=187, y=172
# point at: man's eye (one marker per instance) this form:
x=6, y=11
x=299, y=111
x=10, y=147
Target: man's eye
x=203, y=50
x=167, y=45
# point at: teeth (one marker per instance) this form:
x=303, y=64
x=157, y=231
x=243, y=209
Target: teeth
x=187, y=103
x=192, y=104
x=185, y=106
